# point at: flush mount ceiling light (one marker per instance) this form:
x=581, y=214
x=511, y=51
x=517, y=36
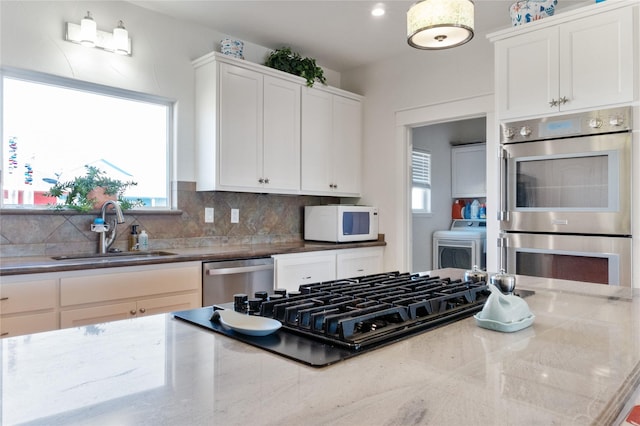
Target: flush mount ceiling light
x=440, y=24
x=87, y=34
x=378, y=10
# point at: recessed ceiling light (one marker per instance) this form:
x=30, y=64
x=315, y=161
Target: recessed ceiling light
x=378, y=10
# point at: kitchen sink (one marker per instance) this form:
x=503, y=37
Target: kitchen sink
x=123, y=255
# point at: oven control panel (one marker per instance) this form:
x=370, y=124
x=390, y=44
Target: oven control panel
x=569, y=125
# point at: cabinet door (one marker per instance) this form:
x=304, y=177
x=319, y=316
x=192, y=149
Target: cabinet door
x=469, y=171
x=527, y=74
x=281, y=143
x=160, y=305
x=293, y=270
x=240, y=123
x=26, y=324
x=317, y=134
x=347, y=146
x=596, y=60
x=359, y=262
x=97, y=314
x=28, y=296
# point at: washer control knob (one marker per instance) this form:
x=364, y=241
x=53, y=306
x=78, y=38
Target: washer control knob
x=525, y=131
x=508, y=133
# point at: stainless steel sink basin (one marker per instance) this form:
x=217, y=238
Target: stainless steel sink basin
x=125, y=255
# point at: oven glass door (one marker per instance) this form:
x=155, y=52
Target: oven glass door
x=594, y=259
x=577, y=185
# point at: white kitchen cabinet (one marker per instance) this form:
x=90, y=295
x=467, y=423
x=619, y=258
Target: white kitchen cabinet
x=248, y=129
x=469, y=171
x=331, y=144
x=28, y=305
x=359, y=262
x=293, y=270
x=119, y=293
x=565, y=63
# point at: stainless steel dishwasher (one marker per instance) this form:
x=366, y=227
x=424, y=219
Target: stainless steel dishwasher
x=221, y=280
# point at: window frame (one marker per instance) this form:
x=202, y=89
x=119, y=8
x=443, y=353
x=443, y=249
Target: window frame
x=428, y=210
x=99, y=89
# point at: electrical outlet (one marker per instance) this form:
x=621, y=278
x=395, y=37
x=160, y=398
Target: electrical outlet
x=208, y=215
x=235, y=215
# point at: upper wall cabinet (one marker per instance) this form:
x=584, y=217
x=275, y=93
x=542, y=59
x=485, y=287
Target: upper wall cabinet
x=257, y=131
x=248, y=130
x=469, y=171
x=567, y=62
x=331, y=144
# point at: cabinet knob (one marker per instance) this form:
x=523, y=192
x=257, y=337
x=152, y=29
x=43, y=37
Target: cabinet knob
x=132, y=312
x=553, y=103
x=143, y=310
x=260, y=180
x=266, y=180
x=563, y=100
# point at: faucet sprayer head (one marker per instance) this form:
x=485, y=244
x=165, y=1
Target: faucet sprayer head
x=116, y=208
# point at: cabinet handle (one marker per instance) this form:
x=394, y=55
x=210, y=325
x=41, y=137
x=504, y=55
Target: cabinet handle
x=6, y=333
x=4, y=298
x=563, y=100
x=306, y=278
x=553, y=103
x=143, y=310
x=132, y=312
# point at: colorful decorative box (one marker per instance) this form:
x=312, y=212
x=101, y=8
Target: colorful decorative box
x=524, y=11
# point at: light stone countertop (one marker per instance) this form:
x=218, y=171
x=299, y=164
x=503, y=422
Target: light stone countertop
x=578, y=364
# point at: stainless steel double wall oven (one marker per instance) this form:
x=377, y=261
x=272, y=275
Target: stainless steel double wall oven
x=565, y=208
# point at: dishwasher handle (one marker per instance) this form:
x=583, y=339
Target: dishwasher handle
x=238, y=269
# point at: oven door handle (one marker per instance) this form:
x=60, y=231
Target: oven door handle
x=503, y=212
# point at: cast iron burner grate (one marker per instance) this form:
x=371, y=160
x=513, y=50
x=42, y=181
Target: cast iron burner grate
x=367, y=311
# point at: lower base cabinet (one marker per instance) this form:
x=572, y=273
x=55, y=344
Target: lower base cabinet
x=118, y=311
x=121, y=293
x=293, y=270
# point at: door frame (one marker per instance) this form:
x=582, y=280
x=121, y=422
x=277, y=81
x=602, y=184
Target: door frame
x=454, y=110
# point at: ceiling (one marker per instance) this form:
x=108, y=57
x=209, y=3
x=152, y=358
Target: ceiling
x=340, y=35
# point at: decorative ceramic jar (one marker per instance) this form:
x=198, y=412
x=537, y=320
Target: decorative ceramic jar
x=524, y=11
x=232, y=48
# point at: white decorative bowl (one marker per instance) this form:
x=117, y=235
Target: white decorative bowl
x=524, y=11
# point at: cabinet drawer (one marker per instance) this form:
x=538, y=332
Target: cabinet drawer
x=124, y=285
x=296, y=270
x=359, y=263
x=97, y=315
x=27, y=324
x=28, y=296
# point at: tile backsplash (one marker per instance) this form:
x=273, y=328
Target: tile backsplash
x=264, y=218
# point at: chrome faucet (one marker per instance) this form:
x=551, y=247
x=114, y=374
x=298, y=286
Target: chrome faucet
x=105, y=241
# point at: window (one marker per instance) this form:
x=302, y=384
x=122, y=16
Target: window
x=54, y=127
x=421, y=181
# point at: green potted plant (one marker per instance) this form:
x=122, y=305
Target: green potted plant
x=284, y=59
x=89, y=192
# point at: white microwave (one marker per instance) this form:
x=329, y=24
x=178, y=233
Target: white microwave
x=340, y=223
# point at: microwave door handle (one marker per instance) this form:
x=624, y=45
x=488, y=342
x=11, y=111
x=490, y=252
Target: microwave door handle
x=503, y=204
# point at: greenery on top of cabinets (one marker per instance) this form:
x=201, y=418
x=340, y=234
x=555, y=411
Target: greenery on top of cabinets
x=89, y=192
x=284, y=59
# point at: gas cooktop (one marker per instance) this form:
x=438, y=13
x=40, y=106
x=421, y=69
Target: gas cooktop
x=326, y=322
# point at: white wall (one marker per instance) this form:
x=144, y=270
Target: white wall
x=398, y=86
x=32, y=38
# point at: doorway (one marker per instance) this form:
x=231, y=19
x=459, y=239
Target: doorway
x=439, y=139
x=454, y=111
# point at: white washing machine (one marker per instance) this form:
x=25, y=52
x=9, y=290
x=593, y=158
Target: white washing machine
x=462, y=246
